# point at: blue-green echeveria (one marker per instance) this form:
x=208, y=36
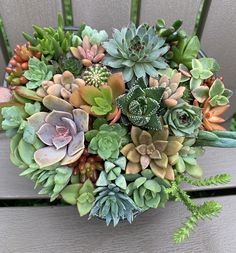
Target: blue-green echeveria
x=184, y=119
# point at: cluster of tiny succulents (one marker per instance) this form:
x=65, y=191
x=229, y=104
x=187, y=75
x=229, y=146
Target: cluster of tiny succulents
x=114, y=126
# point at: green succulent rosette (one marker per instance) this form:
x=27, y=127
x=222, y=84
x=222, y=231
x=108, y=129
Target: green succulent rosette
x=184, y=119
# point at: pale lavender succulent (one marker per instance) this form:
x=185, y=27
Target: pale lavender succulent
x=62, y=133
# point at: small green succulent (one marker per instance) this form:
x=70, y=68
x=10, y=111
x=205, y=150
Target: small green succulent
x=81, y=195
x=106, y=141
x=184, y=119
x=113, y=205
x=187, y=159
x=140, y=105
x=112, y=173
x=185, y=51
x=70, y=64
x=38, y=72
x=233, y=123
x=148, y=191
x=52, y=43
x=137, y=52
x=95, y=37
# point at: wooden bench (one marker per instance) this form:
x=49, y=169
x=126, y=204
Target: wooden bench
x=59, y=228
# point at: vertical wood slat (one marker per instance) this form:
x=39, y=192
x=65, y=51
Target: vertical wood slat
x=219, y=41
x=2, y=66
x=170, y=10
x=102, y=14
x=19, y=15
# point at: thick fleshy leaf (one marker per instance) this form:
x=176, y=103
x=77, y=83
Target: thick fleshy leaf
x=55, y=118
x=88, y=93
x=37, y=120
x=121, y=182
x=117, y=84
x=54, y=103
x=71, y=159
x=6, y=95
x=76, y=144
x=47, y=156
x=152, y=185
x=46, y=133
x=81, y=119
x=61, y=141
x=133, y=168
x=71, y=193
x=135, y=133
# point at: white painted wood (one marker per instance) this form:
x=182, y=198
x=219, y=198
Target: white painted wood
x=219, y=41
x=170, y=10
x=102, y=14
x=19, y=16
x=215, y=161
x=61, y=230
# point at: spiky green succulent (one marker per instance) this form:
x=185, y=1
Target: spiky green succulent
x=148, y=191
x=187, y=159
x=96, y=75
x=136, y=51
x=184, y=119
x=140, y=105
x=113, y=205
x=106, y=141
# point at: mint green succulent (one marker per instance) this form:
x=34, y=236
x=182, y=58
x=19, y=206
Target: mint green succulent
x=95, y=37
x=113, y=205
x=137, y=52
x=184, y=119
x=96, y=75
x=81, y=195
x=140, y=106
x=107, y=141
x=148, y=191
x=112, y=173
x=185, y=51
x=38, y=71
x=187, y=159
x=31, y=109
x=52, y=179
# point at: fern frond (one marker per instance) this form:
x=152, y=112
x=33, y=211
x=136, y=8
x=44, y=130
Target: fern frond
x=218, y=179
x=209, y=209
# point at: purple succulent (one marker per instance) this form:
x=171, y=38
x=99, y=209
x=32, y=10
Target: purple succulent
x=62, y=133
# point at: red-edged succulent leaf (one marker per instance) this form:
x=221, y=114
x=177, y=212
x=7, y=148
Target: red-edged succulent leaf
x=26, y=93
x=117, y=84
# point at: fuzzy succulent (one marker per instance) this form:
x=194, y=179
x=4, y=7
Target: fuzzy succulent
x=184, y=119
x=62, y=133
x=70, y=64
x=96, y=75
x=148, y=191
x=87, y=53
x=140, y=106
x=112, y=205
x=88, y=167
x=62, y=86
x=156, y=150
x=19, y=63
x=37, y=72
x=106, y=141
x=187, y=160
x=173, y=92
x=136, y=51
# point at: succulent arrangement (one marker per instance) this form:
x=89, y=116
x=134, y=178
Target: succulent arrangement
x=114, y=126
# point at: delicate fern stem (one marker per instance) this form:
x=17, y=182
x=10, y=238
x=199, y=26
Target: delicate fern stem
x=218, y=179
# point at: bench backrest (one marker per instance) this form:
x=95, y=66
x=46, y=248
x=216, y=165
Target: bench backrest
x=217, y=24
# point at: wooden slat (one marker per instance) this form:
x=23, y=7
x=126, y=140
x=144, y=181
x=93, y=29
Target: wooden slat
x=2, y=66
x=102, y=14
x=170, y=10
x=219, y=39
x=60, y=229
x=215, y=161
x=19, y=15
x=11, y=185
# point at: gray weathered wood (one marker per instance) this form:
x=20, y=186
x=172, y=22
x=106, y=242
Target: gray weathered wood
x=2, y=66
x=19, y=15
x=219, y=40
x=215, y=161
x=102, y=14
x=11, y=185
x=60, y=229
x=170, y=10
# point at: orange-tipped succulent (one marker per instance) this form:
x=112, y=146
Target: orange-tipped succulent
x=19, y=63
x=211, y=116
